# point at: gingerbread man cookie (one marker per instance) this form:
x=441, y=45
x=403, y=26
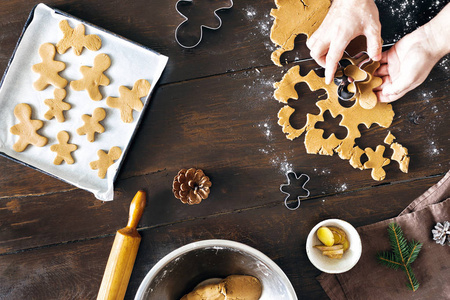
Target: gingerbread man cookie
x=57, y=106
x=63, y=149
x=129, y=100
x=92, y=124
x=105, y=160
x=48, y=69
x=26, y=129
x=76, y=39
x=93, y=77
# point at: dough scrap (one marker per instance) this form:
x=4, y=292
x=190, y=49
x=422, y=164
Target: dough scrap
x=93, y=77
x=400, y=155
x=294, y=17
x=355, y=158
x=57, y=106
x=92, y=124
x=130, y=100
x=63, y=149
x=389, y=139
x=76, y=39
x=105, y=160
x=26, y=129
x=48, y=69
x=376, y=162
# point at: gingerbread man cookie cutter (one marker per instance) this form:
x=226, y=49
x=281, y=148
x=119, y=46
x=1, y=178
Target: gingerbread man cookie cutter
x=288, y=186
x=177, y=38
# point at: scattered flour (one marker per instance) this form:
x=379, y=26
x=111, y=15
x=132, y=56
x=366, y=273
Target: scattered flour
x=281, y=162
x=434, y=109
x=343, y=187
x=250, y=12
x=444, y=64
x=267, y=130
x=269, y=46
x=433, y=149
x=324, y=171
x=425, y=95
x=265, y=24
x=407, y=15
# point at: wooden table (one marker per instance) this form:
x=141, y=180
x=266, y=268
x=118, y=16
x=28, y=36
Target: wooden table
x=214, y=110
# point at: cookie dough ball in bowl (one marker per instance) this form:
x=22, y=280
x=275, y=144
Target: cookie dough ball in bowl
x=182, y=270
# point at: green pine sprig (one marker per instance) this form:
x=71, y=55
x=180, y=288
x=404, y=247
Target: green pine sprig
x=403, y=254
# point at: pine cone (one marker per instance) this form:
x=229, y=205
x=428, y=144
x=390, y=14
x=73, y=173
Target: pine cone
x=191, y=186
x=441, y=232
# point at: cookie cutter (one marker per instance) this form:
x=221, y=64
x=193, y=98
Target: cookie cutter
x=342, y=80
x=290, y=175
x=201, y=26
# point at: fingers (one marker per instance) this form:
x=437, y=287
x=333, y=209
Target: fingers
x=333, y=57
x=385, y=81
x=383, y=70
x=318, y=49
x=374, y=45
x=384, y=56
x=388, y=98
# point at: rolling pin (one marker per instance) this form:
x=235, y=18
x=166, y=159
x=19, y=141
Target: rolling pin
x=123, y=254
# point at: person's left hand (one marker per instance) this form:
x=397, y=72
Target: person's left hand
x=405, y=66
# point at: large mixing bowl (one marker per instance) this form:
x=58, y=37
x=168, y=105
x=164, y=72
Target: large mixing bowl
x=181, y=270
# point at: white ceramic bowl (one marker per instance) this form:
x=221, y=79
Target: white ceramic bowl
x=326, y=264
x=181, y=270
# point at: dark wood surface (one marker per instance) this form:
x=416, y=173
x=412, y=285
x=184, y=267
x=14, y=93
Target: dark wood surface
x=214, y=110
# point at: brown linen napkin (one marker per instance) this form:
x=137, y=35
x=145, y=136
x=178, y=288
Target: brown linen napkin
x=370, y=280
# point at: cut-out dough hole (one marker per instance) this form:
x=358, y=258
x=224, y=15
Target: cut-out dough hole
x=364, y=159
x=371, y=138
x=331, y=125
x=306, y=104
x=296, y=53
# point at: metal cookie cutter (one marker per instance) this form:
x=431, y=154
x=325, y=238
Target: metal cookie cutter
x=292, y=189
x=342, y=80
x=184, y=45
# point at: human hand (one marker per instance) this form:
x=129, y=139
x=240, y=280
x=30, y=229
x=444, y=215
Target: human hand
x=407, y=64
x=345, y=20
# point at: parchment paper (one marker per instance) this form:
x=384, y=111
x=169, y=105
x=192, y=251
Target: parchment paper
x=129, y=62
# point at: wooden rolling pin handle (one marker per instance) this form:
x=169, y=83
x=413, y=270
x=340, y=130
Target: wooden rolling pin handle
x=136, y=209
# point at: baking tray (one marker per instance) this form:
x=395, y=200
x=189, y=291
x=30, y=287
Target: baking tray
x=129, y=63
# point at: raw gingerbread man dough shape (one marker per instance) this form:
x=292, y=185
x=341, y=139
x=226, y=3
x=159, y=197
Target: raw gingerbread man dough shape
x=48, y=69
x=93, y=77
x=57, y=106
x=376, y=162
x=76, y=39
x=26, y=129
x=92, y=124
x=130, y=100
x=63, y=149
x=105, y=160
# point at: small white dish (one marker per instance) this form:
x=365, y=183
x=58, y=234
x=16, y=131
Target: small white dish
x=329, y=265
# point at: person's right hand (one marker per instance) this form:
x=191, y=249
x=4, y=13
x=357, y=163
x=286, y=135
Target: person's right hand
x=345, y=20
